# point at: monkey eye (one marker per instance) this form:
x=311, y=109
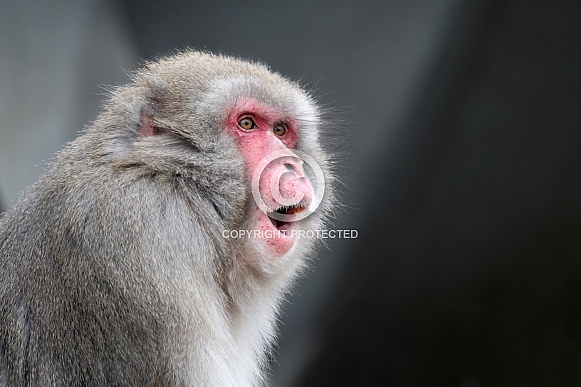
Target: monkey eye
x=246, y=123
x=279, y=129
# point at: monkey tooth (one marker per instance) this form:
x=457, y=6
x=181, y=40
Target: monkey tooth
x=295, y=210
x=285, y=210
x=290, y=210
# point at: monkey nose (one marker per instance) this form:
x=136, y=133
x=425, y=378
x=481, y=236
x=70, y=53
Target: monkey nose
x=295, y=165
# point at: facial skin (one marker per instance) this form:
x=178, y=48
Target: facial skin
x=259, y=131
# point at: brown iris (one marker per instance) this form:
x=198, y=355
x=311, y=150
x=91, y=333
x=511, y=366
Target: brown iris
x=279, y=129
x=246, y=123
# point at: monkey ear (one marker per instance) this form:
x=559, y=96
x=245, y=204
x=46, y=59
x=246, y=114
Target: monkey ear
x=154, y=101
x=147, y=127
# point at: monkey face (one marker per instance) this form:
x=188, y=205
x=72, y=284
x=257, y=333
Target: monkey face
x=284, y=188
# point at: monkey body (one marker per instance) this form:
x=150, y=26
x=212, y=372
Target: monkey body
x=114, y=269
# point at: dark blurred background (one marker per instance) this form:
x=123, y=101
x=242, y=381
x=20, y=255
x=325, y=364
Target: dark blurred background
x=460, y=143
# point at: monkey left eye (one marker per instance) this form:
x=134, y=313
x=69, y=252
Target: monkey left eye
x=279, y=129
x=247, y=123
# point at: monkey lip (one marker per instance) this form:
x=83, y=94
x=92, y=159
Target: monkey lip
x=279, y=237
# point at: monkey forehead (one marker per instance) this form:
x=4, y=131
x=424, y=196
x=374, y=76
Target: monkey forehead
x=222, y=80
x=283, y=97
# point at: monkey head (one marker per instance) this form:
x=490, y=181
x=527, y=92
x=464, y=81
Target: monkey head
x=209, y=121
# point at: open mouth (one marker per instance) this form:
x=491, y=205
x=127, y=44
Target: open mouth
x=288, y=212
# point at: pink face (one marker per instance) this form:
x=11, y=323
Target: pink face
x=259, y=131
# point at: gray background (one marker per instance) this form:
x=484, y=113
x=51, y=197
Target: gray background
x=460, y=137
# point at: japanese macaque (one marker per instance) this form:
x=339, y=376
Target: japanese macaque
x=120, y=266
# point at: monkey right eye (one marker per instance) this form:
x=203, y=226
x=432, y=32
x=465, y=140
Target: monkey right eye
x=246, y=123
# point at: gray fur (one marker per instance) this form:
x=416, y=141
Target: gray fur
x=113, y=268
